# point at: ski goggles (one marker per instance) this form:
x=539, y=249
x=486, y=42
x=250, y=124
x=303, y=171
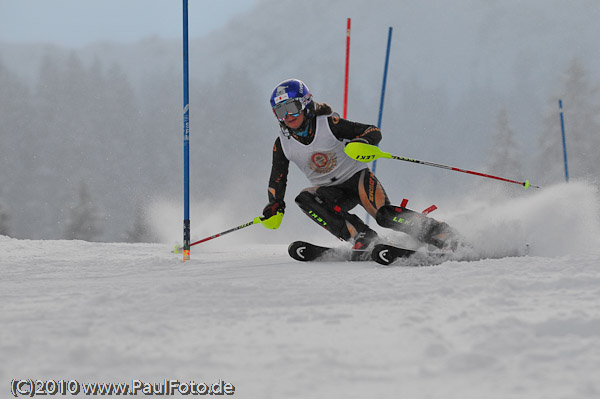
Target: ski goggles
x=292, y=107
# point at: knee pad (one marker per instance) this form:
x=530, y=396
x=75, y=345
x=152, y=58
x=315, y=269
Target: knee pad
x=314, y=207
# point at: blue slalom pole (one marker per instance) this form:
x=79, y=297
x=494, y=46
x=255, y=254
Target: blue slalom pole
x=564, y=141
x=186, y=138
x=385, y=70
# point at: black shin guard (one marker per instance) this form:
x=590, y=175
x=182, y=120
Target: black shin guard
x=412, y=223
x=337, y=222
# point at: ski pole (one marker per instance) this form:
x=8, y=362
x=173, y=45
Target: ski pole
x=367, y=153
x=256, y=220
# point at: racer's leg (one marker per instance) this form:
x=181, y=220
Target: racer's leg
x=423, y=228
x=370, y=192
x=329, y=206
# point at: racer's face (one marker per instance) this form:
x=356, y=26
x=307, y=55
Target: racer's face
x=294, y=122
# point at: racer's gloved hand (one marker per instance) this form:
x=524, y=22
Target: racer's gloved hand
x=273, y=214
x=273, y=208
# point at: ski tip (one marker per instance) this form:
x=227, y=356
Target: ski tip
x=386, y=254
x=382, y=257
x=300, y=251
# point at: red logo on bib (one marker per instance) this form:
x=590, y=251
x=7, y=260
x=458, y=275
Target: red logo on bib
x=323, y=162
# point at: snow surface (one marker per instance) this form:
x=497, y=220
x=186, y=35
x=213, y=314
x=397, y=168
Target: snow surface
x=512, y=327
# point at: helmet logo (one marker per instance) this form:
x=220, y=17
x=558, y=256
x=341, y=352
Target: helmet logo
x=281, y=94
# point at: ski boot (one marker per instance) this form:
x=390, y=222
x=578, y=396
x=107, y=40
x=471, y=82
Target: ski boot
x=363, y=243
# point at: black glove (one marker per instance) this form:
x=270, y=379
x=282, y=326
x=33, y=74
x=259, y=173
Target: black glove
x=273, y=208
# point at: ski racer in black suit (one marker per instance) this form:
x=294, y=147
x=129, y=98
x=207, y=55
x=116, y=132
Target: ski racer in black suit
x=314, y=137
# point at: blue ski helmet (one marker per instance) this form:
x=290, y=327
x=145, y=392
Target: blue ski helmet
x=291, y=96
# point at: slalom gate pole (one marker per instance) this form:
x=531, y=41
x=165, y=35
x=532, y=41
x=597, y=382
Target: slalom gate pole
x=256, y=220
x=564, y=140
x=367, y=153
x=347, y=69
x=186, y=138
x=385, y=70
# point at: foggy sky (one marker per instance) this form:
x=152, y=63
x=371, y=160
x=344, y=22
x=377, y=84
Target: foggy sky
x=76, y=23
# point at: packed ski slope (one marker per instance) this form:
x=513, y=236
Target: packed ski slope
x=512, y=327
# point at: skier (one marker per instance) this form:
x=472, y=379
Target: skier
x=313, y=137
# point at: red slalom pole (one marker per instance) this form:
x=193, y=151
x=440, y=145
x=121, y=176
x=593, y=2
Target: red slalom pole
x=256, y=220
x=347, y=69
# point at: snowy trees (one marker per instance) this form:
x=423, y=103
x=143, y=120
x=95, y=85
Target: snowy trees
x=120, y=132
x=79, y=120
x=582, y=126
x=81, y=123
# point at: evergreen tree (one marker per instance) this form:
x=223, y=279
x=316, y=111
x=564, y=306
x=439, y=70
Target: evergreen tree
x=47, y=146
x=141, y=230
x=14, y=103
x=4, y=221
x=83, y=218
x=504, y=160
x=505, y=155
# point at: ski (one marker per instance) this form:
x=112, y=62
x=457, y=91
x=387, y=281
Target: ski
x=385, y=254
x=306, y=252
